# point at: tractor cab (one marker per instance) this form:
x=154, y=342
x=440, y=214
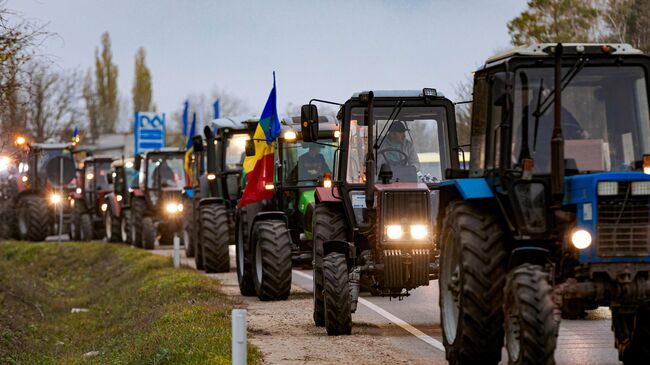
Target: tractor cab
x=375, y=220
x=117, y=216
x=94, y=183
x=560, y=138
x=162, y=176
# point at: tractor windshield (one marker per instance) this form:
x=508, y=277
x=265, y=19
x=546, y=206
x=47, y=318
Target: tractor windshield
x=236, y=151
x=102, y=169
x=166, y=171
x=305, y=163
x=406, y=141
x=605, y=119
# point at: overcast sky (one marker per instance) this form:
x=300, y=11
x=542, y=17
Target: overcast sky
x=319, y=49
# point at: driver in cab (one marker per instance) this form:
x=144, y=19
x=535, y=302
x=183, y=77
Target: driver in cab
x=396, y=149
x=312, y=165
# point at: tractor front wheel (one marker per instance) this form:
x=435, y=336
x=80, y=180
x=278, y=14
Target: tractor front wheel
x=244, y=261
x=215, y=238
x=138, y=206
x=113, y=227
x=86, y=227
x=530, y=323
x=125, y=226
x=632, y=332
x=272, y=260
x=472, y=278
x=338, y=312
x=148, y=233
x=189, y=230
x=33, y=218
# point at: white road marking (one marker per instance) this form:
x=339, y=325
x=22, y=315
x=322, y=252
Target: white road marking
x=389, y=316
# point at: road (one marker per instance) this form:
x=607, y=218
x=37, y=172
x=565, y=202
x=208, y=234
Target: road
x=385, y=331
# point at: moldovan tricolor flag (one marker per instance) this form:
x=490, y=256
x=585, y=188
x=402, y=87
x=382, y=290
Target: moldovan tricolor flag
x=259, y=168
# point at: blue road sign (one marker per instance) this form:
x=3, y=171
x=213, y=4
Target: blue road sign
x=149, y=131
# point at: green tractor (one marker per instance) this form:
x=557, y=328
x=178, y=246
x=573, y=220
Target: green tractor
x=157, y=203
x=553, y=215
x=117, y=217
x=273, y=235
x=375, y=222
x=215, y=187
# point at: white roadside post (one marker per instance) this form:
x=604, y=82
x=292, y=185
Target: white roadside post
x=177, y=252
x=239, y=337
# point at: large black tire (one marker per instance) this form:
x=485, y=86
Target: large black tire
x=215, y=238
x=338, y=313
x=112, y=227
x=530, y=323
x=472, y=277
x=125, y=225
x=148, y=233
x=33, y=218
x=272, y=260
x=86, y=227
x=329, y=225
x=198, y=248
x=138, y=207
x=632, y=332
x=244, y=260
x=189, y=229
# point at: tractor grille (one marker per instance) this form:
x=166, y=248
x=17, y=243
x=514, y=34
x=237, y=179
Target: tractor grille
x=399, y=207
x=623, y=224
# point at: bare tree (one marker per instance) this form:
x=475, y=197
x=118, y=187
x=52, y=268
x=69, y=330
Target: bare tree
x=52, y=103
x=464, y=110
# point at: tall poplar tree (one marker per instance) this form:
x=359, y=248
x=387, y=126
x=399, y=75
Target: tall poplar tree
x=142, y=93
x=106, y=86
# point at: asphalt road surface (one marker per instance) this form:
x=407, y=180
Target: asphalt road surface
x=407, y=331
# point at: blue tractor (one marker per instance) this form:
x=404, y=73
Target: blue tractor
x=552, y=215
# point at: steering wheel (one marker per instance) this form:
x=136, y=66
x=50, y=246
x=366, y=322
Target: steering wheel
x=403, y=161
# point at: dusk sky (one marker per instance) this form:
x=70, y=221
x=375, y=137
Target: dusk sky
x=325, y=49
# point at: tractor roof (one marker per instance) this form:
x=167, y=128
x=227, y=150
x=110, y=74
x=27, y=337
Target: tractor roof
x=325, y=123
x=51, y=146
x=236, y=122
x=98, y=158
x=397, y=94
x=547, y=50
x=170, y=150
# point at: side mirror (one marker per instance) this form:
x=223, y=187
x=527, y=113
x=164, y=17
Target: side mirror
x=250, y=148
x=197, y=143
x=309, y=123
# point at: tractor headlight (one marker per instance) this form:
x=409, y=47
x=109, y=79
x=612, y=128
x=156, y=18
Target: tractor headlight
x=55, y=198
x=394, y=232
x=641, y=188
x=104, y=207
x=174, y=208
x=118, y=197
x=581, y=239
x=607, y=188
x=418, y=231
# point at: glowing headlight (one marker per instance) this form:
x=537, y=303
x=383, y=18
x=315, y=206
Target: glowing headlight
x=269, y=186
x=418, y=231
x=4, y=163
x=104, y=207
x=25, y=178
x=289, y=136
x=90, y=176
x=641, y=188
x=337, y=134
x=607, y=188
x=174, y=208
x=212, y=176
x=119, y=198
x=78, y=190
x=581, y=239
x=129, y=165
x=55, y=198
x=394, y=232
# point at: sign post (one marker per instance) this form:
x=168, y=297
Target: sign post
x=149, y=131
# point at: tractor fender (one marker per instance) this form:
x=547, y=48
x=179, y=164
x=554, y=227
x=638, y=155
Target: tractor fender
x=468, y=189
x=528, y=255
x=336, y=246
x=137, y=192
x=206, y=201
x=261, y=216
x=328, y=195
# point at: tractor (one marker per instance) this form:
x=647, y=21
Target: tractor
x=216, y=170
x=374, y=222
x=38, y=201
x=156, y=203
x=88, y=200
x=117, y=217
x=552, y=217
x=279, y=234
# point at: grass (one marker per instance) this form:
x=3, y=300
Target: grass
x=140, y=309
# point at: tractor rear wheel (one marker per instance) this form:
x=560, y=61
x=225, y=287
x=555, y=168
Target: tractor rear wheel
x=33, y=218
x=472, y=277
x=148, y=233
x=272, y=260
x=244, y=261
x=338, y=312
x=215, y=238
x=632, y=332
x=113, y=227
x=329, y=225
x=86, y=227
x=138, y=207
x=189, y=230
x=530, y=324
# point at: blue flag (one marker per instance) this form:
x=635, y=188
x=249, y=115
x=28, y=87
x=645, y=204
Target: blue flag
x=215, y=107
x=191, y=133
x=269, y=120
x=185, y=112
